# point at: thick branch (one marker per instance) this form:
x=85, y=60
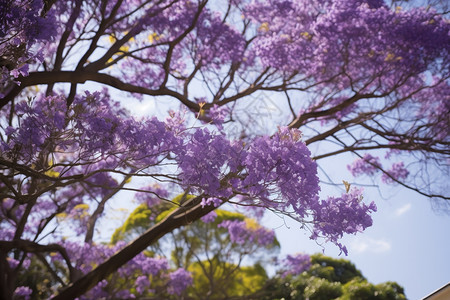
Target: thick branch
x=32, y=247
x=81, y=76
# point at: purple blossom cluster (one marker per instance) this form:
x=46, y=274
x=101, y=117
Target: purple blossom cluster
x=206, y=159
x=397, y=172
x=275, y=172
x=209, y=218
x=434, y=103
x=39, y=124
x=217, y=42
x=95, y=130
x=280, y=172
x=180, y=279
x=209, y=42
x=173, y=20
x=91, y=141
x=295, y=264
x=23, y=20
x=21, y=27
x=23, y=292
x=216, y=202
x=346, y=214
x=242, y=232
x=218, y=115
x=368, y=165
x=142, y=284
x=316, y=39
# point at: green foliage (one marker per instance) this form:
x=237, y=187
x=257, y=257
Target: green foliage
x=223, y=215
x=141, y=218
x=321, y=289
x=358, y=289
x=330, y=278
x=201, y=240
x=361, y=289
x=138, y=219
x=390, y=290
x=220, y=280
x=332, y=269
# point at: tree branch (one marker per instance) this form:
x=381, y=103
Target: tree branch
x=32, y=247
x=81, y=76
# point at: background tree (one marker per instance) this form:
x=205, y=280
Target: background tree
x=358, y=77
x=329, y=278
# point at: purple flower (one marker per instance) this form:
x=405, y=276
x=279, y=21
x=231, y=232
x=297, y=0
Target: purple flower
x=99, y=291
x=142, y=284
x=248, y=231
x=23, y=292
x=281, y=166
x=347, y=214
x=13, y=263
x=217, y=42
x=296, y=264
x=218, y=115
x=210, y=217
x=22, y=27
x=205, y=160
x=150, y=265
x=406, y=43
x=216, y=202
x=179, y=281
x=397, y=172
x=367, y=165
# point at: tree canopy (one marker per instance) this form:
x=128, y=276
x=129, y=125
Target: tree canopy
x=329, y=278
x=259, y=96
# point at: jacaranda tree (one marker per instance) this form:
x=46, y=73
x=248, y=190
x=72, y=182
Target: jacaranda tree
x=347, y=77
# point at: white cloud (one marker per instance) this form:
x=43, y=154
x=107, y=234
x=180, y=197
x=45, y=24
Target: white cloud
x=401, y=210
x=364, y=244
